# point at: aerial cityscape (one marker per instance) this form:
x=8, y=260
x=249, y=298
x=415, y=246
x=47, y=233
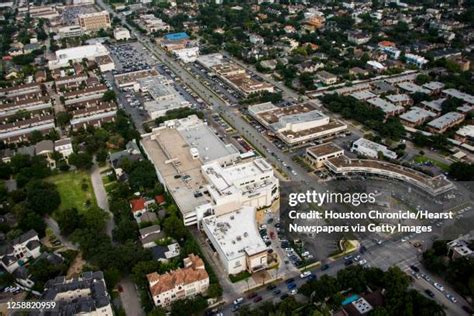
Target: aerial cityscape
x=222, y=157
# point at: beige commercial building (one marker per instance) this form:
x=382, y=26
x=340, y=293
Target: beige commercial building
x=94, y=21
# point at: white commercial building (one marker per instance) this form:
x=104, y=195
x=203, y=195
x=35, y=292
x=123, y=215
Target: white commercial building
x=296, y=124
x=237, y=241
x=188, y=54
x=121, y=33
x=165, y=96
x=245, y=184
x=178, y=150
x=77, y=54
x=371, y=149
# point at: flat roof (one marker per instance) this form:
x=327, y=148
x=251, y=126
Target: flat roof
x=435, y=104
x=303, y=112
x=222, y=178
x=363, y=95
x=459, y=95
x=170, y=154
x=385, y=106
x=210, y=60
x=332, y=125
x=433, y=85
x=412, y=87
x=398, y=98
x=466, y=131
x=324, y=149
x=236, y=233
x=421, y=178
x=209, y=146
x=416, y=114
x=445, y=120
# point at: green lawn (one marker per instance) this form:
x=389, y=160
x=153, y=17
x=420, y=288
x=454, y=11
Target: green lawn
x=70, y=187
x=421, y=159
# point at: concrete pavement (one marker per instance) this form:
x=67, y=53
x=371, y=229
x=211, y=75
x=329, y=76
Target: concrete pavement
x=101, y=197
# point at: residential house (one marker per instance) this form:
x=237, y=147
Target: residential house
x=179, y=284
x=20, y=250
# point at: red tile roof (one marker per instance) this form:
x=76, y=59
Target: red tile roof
x=137, y=204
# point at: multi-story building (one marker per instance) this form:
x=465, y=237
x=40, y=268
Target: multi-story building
x=178, y=150
x=444, y=122
x=85, y=295
x=237, y=241
x=20, y=250
x=94, y=21
x=416, y=116
x=371, y=149
x=317, y=155
x=179, y=284
x=296, y=124
x=249, y=183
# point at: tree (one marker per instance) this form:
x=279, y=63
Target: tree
x=141, y=175
x=174, y=227
x=43, y=197
x=462, y=171
x=81, y=160
x=190, y=307
x=109, y=96
x=68, y=220
x=63, y=118
x=450, y=105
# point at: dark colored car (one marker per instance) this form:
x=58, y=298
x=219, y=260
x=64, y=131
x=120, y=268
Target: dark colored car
x=415, y=268
x=283, y=296
x=290, y=280
x=362, y=249
x=257, y=299
x=348, y=262
x=252, y=295
x=291, y=286
x=311, y=277
x=271, y=287
x=429, y=293
x=467, y=309
x=276, y=292
x=325, y=267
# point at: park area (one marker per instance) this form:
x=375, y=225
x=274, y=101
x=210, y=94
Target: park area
x=75, y=189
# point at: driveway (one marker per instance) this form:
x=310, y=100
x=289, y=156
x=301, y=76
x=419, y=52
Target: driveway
x=130, y=299
x=101, y=197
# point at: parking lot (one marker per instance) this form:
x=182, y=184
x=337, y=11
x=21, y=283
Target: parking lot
x=131, y=56
x=70, y=13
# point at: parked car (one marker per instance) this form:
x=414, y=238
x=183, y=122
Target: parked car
x=238, y=301
x=305, y=274
x=252, y=295
x=414, y=268
x=291, y=286
x=284, y=296
x=290, y=280
x=257, y=299
x=271, y=287
x=276, y=292
x=324, y=267
x=429, y=293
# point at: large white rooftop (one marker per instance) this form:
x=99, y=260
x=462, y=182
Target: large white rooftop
x=236, y=233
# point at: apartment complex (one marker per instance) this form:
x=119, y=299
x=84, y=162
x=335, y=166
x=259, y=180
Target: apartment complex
x=179, y=284
x=85, y=295
x=94, y=21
